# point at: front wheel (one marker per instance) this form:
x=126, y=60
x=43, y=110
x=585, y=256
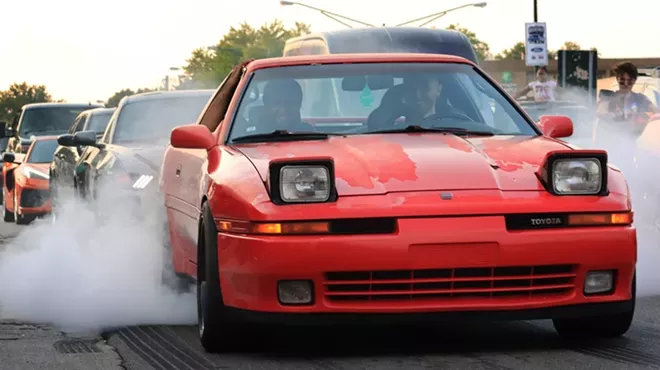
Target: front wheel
x=609, y=326
x=217, y=332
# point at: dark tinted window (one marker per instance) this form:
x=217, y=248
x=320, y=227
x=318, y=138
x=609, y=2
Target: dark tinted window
x=99, y=121
x=154, y=119
x=42, y=151
x=48, y=120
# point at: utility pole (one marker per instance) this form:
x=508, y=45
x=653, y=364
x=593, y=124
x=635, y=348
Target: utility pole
x=536, y=12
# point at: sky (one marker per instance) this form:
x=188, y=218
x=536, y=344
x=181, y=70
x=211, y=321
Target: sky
x=85, y=50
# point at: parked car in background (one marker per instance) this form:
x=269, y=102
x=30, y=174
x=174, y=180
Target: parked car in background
x=129, y=153
x=42, y=119
x=25, y=194
x=62, y=167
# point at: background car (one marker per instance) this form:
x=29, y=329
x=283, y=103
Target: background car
x=65, y=158
x=129, y=153
x=26, y=187
x=42, y=119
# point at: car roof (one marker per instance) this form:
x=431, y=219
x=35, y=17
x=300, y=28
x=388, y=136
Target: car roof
x=355, y=58
x=63, y=105
x=100, y=110
x=154, y=95
x=392, y=39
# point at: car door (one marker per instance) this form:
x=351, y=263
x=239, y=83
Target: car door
x=181, y=175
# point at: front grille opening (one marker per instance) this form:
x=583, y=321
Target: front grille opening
x=490, y=282
x=363, y=226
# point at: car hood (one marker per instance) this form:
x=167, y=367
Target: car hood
x=144, y=158
x=379, y=164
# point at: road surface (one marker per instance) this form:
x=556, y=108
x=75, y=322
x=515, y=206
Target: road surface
x=501, y=346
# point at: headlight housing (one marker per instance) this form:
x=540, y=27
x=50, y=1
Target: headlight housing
x=582, y=172
x=302, y=182
x=577, y=176
x=32, y=173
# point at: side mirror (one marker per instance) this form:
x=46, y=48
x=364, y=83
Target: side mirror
x=8, y=157
x=604, y=93
x=66, y=140
x=84, y=138
x=556, y=126
x=192, y=136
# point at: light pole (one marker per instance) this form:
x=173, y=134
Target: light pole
x=442, y=13
x=333, y=16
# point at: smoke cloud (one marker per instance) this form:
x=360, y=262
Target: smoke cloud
x=89, y=273
x=636, y=161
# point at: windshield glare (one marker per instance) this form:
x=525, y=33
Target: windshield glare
x=98, y=122
x=369, y=97
x=154, y=119
x=42, y=151
x=48, y=120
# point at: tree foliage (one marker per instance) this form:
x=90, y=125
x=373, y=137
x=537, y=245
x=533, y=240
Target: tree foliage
x=19, y=94
x=207, y=68
x=481, y=48
x=113, y=101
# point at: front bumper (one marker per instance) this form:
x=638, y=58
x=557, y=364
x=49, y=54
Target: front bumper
x=34, y=198
x=429, y=266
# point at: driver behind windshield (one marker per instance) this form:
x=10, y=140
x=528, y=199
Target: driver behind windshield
x=420, y=96
x=281, y=110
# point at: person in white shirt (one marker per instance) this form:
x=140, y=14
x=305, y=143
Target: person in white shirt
x=543, y=88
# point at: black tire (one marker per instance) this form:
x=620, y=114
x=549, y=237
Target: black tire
x=8, y=216
x=217, y=332
x=608, y=326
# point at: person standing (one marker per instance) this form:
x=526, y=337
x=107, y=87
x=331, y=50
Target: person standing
x=544, y=89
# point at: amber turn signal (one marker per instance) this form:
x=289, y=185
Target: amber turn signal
x=601, y=219
x=273, y=228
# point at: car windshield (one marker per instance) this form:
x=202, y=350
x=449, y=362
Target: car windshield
x=48, y=120
x=99, y=121
x=154, y=119
x=42, y=151
x=363, y=98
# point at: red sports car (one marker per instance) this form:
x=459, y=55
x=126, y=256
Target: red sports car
x=444, y=200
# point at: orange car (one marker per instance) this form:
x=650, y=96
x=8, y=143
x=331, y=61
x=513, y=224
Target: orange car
x=26, y=189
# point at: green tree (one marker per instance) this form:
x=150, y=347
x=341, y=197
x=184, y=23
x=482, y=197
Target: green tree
x=207, y=68
x=19, y=94
x=516, y=52
x=570, y=45
x=113, y=101
x=480, y=47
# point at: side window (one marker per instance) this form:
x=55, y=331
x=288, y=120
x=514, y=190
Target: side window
x=78, y=124
x=217, y=109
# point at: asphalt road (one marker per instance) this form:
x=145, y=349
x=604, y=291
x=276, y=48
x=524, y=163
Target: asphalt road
x=500, y=346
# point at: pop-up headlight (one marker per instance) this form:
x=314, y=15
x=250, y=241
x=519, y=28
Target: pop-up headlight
x=582, y=172
x=302, y=182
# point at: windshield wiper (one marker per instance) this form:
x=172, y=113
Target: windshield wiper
x=418, y=128
x=284, y=135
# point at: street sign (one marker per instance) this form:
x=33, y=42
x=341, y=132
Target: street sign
x=507, y=77
x=536, y=44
